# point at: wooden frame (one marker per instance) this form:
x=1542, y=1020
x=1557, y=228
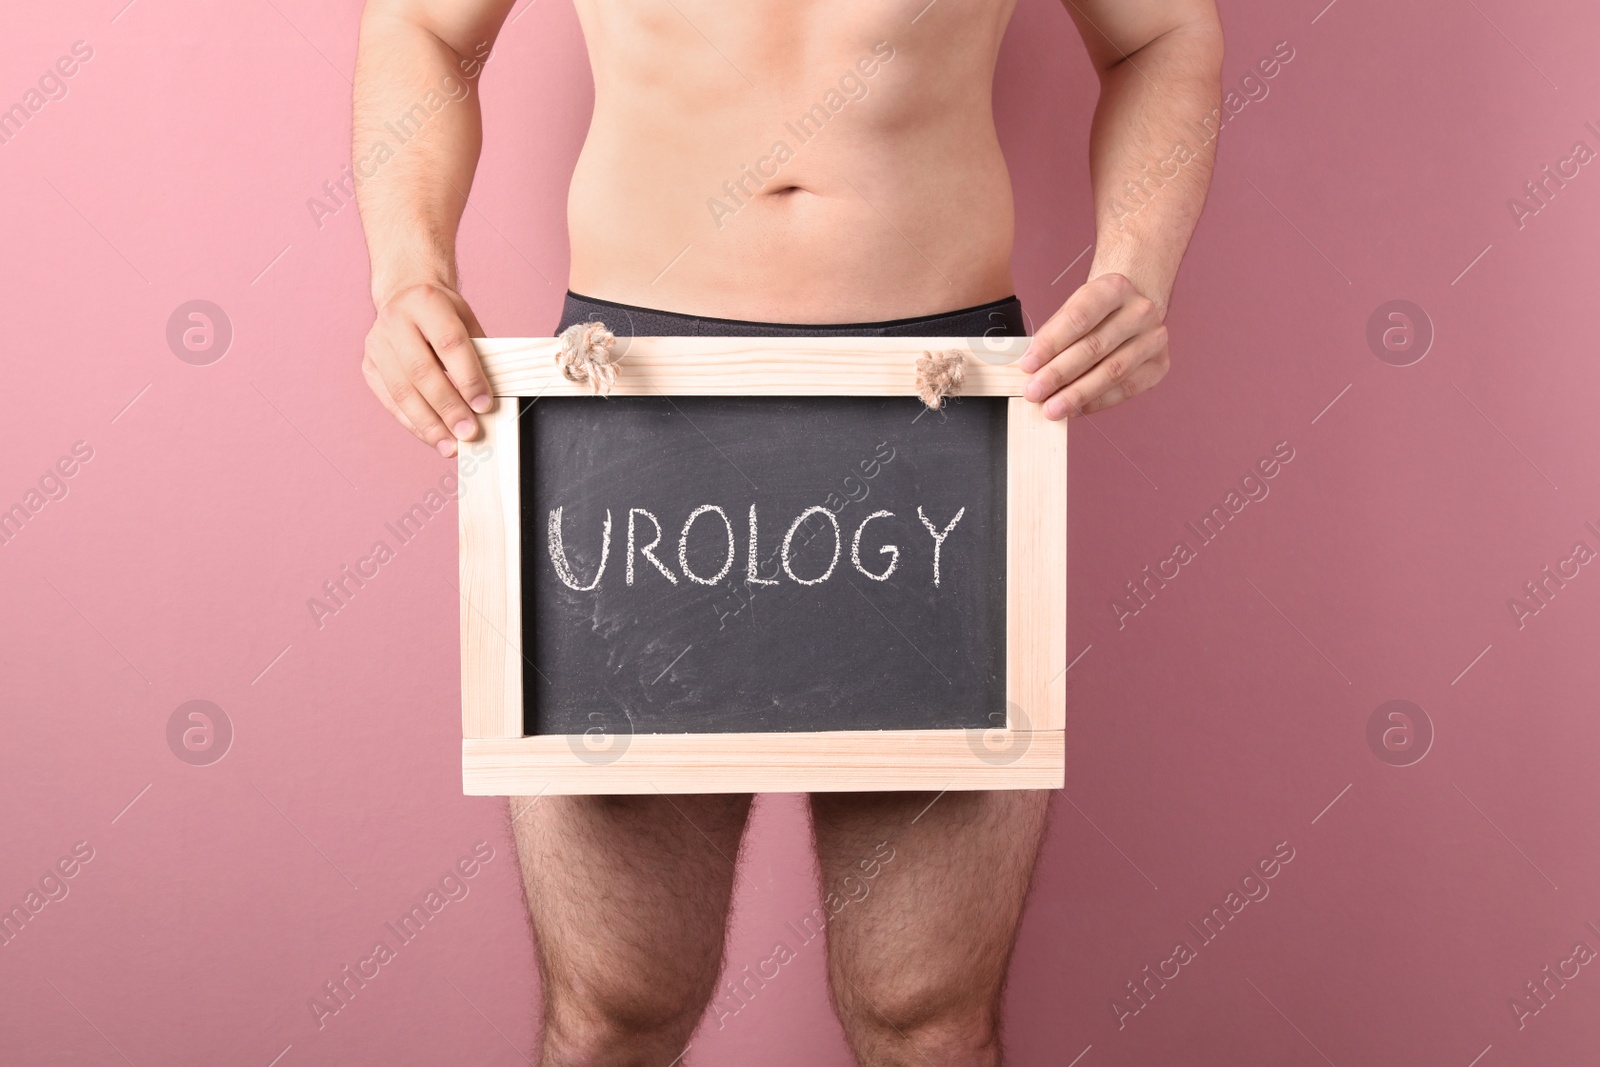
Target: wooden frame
x=497, y=760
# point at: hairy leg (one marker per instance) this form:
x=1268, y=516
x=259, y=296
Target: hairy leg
x=629, y=899
x=924, y=894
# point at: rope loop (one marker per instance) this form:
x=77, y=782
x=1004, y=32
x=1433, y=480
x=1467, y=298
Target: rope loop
x=939, y=375
x=585, y=356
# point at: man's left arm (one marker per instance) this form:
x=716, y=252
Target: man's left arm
x=1150, y=155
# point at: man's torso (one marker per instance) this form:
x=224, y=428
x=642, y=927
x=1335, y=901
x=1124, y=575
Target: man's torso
x=792, y=162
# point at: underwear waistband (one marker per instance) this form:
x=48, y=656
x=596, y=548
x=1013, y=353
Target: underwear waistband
x=1002, y=318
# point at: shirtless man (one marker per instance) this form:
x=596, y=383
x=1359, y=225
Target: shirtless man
x=887, y=210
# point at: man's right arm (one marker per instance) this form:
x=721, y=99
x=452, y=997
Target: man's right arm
x=417, y=132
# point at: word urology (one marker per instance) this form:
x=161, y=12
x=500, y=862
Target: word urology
x=639, y=518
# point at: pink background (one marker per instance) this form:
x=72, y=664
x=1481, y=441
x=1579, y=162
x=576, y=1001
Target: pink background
x=1228, y=715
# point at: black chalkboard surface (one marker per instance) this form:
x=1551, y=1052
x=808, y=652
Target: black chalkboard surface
x=834, y=634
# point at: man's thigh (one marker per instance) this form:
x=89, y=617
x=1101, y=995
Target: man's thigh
x=628, y=897
x=928, y=891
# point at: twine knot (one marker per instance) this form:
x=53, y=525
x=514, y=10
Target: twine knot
x=585, y=356
x=939, y=375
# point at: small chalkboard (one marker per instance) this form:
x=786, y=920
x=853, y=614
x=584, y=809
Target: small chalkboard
x=721, y=564
x=761, y=565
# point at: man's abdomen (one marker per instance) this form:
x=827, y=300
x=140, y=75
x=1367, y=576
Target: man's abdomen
x=847, y=173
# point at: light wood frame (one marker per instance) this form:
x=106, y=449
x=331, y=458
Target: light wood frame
x=498, y=760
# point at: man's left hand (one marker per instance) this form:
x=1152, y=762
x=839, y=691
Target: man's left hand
x=1105, y=345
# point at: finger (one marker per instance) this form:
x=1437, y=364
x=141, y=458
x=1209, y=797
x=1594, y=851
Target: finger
x=1143, y=377
x=425, y=367
x=1127, y=369
x=427, y=376
x=1083, y=311
x=410, y=359
x=446, y=331
x=1079, y=357
x=375, y=382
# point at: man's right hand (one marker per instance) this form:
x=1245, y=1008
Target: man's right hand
x=421, y=365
